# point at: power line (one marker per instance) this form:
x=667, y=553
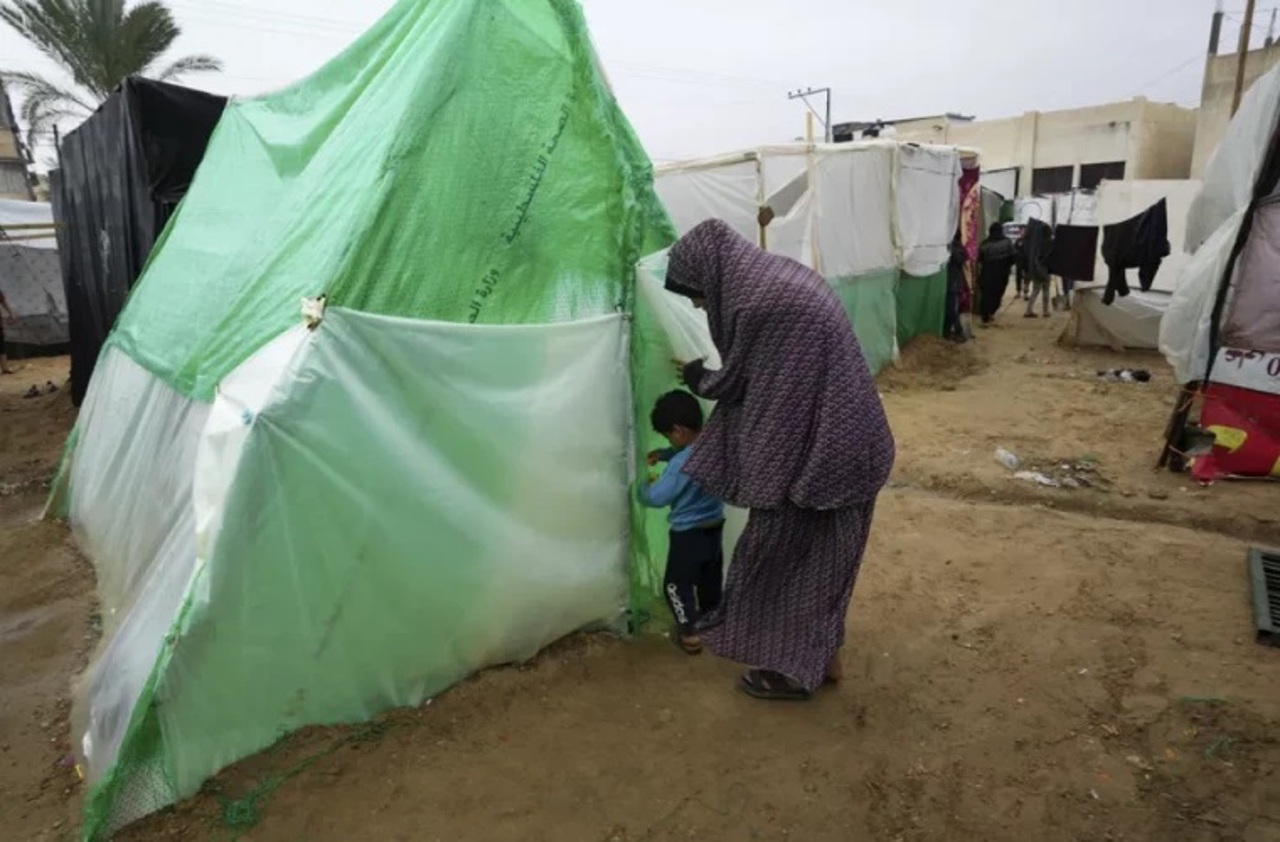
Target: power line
x=1198, y=57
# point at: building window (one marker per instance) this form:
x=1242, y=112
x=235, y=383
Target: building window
x=1052, y=180
x=1091, y=175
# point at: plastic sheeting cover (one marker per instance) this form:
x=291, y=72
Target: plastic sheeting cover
x=1213, y=227
x=925, y=223
x=458, y=498
x=1232, y=172
x=374, y=581
x=856, y=211
x=729, y=192
x=1185, y=328
x=463, y=161
x=137, y=434
x=1131, y=322
x=31, y=281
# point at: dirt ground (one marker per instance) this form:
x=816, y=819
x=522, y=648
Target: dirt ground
x=1023, y=663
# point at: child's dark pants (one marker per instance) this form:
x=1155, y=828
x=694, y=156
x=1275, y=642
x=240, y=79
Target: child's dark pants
x=695, y=575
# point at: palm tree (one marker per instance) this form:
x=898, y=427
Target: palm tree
x=98, y=43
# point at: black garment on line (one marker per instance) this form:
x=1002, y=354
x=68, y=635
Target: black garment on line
x=1075, y=251
x=1140, y=243
x=694, y=583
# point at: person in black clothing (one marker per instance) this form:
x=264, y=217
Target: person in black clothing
x=1037, y=246
x=996, y=257
x=952, y=328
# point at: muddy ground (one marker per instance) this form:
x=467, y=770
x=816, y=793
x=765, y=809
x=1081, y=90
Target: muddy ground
x=1024, y=662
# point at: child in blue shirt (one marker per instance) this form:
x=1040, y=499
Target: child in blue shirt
x=695, y=561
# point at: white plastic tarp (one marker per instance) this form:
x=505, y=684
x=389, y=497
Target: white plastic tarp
x=1004, y=182
x=1232, y=172
x=855, y=210
x=1028, y=208
x=728, y=190
x=1213, y=227
x=1079, y=207
x=925, y=225
x=1130, y=323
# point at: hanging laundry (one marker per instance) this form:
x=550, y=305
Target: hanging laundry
x=1075, y=251
x=1037, y=245
x=1140, y=243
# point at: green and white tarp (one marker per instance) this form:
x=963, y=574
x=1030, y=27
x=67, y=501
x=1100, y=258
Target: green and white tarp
x=876, y=218
x=371, y=418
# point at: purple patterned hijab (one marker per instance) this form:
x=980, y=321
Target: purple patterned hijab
x=798, y=420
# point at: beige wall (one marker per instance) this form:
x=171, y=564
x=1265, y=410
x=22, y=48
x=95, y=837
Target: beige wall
x=1166, y=141
x=1154, y=140
x=1216, y=97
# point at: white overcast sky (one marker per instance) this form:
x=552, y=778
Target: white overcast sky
x=703, y=76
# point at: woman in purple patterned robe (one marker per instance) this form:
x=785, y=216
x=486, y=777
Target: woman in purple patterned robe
x=799, y=437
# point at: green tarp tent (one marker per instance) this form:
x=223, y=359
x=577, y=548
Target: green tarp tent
x=368, y=422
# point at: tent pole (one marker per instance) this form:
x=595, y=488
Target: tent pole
x=1243, y=56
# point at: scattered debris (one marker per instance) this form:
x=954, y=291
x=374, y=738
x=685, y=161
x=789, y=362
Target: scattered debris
x=1140, y=763
x=1125, y=375
x=1038, y=478
x=1053, y=474
x=1008, y=459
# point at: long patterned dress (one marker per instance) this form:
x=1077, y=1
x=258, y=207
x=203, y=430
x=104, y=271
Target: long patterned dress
x=798, y=436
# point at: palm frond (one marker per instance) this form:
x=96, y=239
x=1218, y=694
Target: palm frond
x=44, y=103
x=57, y=29
x=190, y=64
x=144, y=34
x=101, y=42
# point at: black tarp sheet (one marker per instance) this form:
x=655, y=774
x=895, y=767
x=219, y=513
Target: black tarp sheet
x=121, y=175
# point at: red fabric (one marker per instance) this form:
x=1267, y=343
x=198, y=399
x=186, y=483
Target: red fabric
x=1246, y=425
x=971, y=232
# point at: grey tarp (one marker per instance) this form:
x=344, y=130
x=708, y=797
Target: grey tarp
x=30, y=276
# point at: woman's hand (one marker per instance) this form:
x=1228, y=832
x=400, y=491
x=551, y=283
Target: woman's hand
x=680, y=366
x=655, y=457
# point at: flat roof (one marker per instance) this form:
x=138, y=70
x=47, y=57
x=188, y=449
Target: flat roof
x=857, y=126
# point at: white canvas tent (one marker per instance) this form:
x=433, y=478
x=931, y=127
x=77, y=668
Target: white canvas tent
x=1132, y=322
x=1221, y=333
x=1215, y=225
x=30, y=276
x=875, y=218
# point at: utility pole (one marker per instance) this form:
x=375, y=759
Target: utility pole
x=804, y=95
x=1241, y=59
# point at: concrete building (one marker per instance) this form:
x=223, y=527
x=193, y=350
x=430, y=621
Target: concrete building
x=1056, y=151
x=14, y=179
x=1218, y=91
